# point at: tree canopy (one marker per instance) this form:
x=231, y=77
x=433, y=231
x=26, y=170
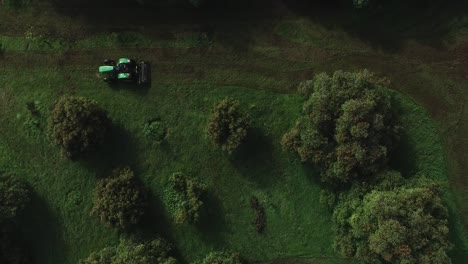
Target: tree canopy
x=347, y=128
x=393, y=223
x=118, y=200
x=77, y=125
x=228, y=125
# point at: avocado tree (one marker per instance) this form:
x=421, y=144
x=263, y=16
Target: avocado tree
x=77, y=125
x=347, y=128
x=393, y=224
x=119, y=201
x=228, y=125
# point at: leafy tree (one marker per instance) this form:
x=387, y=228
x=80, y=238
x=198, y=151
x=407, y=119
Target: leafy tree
x=394, y=223
x=155, y=131
x=228, y=125
x=132, y=252
x=119, y=201
x=14, y=197
x=77, y=125
x=347, y=128
x=184, y=198
x=221, y=257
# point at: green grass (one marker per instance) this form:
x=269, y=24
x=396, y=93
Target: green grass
x=296, y=224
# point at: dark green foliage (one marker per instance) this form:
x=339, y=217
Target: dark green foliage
x=347, y=128
x=15, y=4
x=228, y=125
x=221, y=257
x=394, y=223
x=77, y=125
x=183, y=196
x=119, y=201
x=327, y=199
x=154, y=131
x=14, y=197
x=130, y=252
x=260, y=217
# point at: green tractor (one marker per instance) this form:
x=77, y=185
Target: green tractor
x=126, y=70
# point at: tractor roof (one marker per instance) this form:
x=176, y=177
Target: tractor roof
x=123, y=76
x=105, y=69
x=124, y=60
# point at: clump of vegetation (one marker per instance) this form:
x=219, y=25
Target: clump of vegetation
x=132, y=252
x=184, y=198
x=15, y=4
x=327, y=199
x=77, y=125
x=228, y=125
x=34, y=123
x=119, y=201
x=393, y=223
x=155, y=131
x=221, y=257
x=14, y=196
x=347, y=128
x=260, y=218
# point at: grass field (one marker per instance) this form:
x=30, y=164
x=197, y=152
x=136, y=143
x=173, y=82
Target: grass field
x=190, y=74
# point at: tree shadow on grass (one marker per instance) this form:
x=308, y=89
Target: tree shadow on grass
x=211, y=223
x=402, y=157
x=254, y=159
x=117, y=151
x=42, y=232
x=156, y=224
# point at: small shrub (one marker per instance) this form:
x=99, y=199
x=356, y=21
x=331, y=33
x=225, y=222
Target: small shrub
x=154, y=131
x=119, y=201
x=184, y=198
x=228, y=125
x=14, y=196
x=327, y=199
x=260, y=218
x=221, y=257
x=306, y=88
x=77, y=125
x=132, y=252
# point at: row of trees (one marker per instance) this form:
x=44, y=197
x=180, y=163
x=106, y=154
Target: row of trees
x=348, y=128
x=78, y=125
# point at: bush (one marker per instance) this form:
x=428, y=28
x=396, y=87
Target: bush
x=15, y=4
x=14, y=197
x=221, y=258
x=327, y=199
x=184, y=198
x=260, y=217
x=132, y=252
x=119, y=201
x=391, y=224
x=347, y=128
x=77, y=125
x=228, y=126
x=154, y=131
